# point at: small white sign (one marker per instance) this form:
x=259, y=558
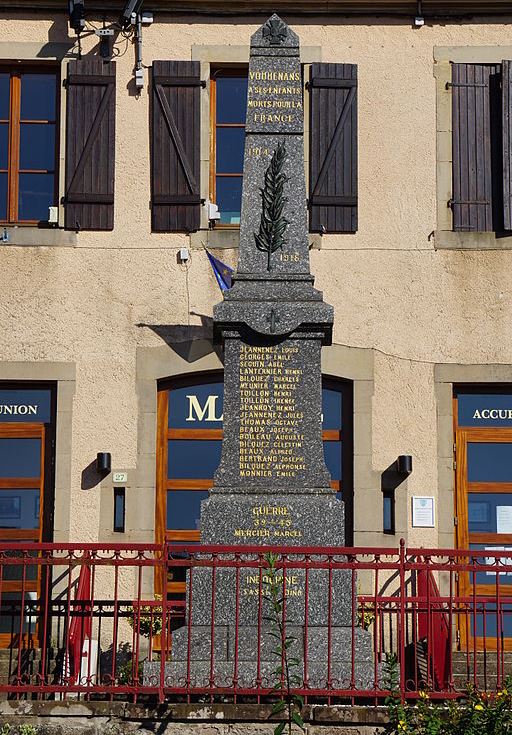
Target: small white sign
x=504, y=519
x=423, y=512
x=120, y=477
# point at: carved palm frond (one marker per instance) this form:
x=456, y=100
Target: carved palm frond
x=273, y=224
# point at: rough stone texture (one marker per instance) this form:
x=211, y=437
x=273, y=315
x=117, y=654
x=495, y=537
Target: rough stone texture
x=124, y=718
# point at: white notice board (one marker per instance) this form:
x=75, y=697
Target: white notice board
x=423, y=511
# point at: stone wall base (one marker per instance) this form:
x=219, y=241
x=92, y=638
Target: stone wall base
x=122, y=718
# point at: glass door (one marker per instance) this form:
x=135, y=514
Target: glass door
x=21, y=503
x=484, y=515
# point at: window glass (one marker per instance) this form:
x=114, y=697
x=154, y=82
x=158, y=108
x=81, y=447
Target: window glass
x=493, y=564
x=37, y=146
x=484, y=410
x=18, y=405
x=229, y=199
x=28, y=131
x=331, y=409
x=231, y=99
x=18, y=572
x=196, y=406
x=19, y=508
x=10, y=609
x=184, y=508
x=4, y=145
x=229, y=135
x=20, y=457
x=230, y=150
x=38, y=96
x=36, y=194
x=489, y=462
x=119, y=509
x=3, y=196
x=189, y=457
x=332, y=454
x=4, y=96
x=490, y=513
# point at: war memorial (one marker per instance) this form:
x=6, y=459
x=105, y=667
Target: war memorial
x=272, y=486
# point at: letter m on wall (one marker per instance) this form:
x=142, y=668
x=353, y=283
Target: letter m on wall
x=175, y=146
x=333, y=148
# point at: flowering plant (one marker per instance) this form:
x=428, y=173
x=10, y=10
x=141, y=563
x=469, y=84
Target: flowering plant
x=478, y=713
x=146, y=619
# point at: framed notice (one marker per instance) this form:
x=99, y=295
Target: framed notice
x=423, y=511
x=504, y=519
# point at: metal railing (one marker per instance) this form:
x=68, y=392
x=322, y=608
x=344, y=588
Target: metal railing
x=83, y=620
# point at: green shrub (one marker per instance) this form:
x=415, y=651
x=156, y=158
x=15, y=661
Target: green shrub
x=478, y=713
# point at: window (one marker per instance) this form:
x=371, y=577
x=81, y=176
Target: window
x=26, y=500
x=483, y=454
x=178, y=188
x=28, y=144
x=228, y=99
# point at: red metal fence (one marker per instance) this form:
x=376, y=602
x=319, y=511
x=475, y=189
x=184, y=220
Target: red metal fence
x=83, y=621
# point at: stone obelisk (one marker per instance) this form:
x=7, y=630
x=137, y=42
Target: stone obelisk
x=272, y=487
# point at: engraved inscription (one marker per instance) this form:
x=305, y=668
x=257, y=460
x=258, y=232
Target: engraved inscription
x=271, y=440
x=274, y=96
x=269, y=522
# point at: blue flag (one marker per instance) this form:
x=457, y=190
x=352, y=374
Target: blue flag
x=222, y=272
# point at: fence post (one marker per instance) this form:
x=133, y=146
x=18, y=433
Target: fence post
x=401, y=622
x=163, y=635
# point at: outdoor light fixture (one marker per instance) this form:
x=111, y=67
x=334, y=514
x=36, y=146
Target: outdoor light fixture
x=103, y=462
x=404, y=464
x=132, y=7
x=391, y=479
x=77, y=15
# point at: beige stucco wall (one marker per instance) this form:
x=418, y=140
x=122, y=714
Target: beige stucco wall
x=97, y=303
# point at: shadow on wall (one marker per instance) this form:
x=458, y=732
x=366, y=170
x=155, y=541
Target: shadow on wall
x=190, y=342
x=91, y=477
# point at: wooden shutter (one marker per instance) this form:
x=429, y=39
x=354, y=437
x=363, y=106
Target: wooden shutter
x=506, y=73
x=90, y=144
x=333, y=148
x=476, y=129
x=175, y=146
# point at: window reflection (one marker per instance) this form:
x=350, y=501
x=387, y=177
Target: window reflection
x=20, y=457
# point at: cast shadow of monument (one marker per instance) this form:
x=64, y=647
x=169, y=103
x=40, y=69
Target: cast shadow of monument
x=190, y=342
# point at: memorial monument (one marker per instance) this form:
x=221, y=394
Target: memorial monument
x=272, y=486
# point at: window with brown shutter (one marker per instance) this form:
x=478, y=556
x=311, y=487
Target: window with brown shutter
x=175, y=146
x=333, y=148
x=28, y=143
x=90, y=145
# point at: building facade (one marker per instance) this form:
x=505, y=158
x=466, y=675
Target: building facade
x=106, y=323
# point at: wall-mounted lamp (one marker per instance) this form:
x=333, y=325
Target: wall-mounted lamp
x=404, y=464
x=103, y=462
x=391, y=478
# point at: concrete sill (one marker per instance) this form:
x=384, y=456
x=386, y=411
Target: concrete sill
x=448, y=240
x=32, y=237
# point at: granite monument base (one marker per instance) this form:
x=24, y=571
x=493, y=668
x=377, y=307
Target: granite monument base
x=235, y=658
